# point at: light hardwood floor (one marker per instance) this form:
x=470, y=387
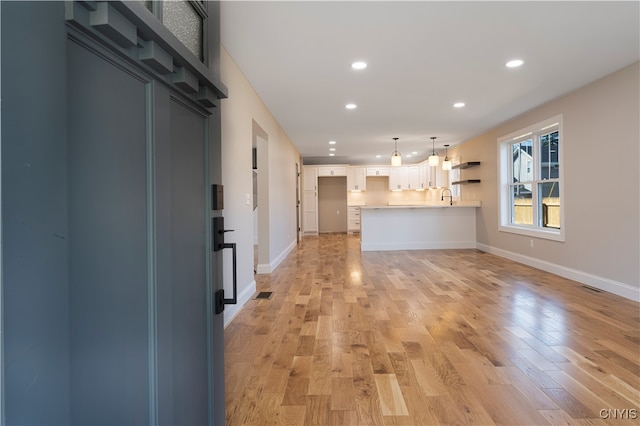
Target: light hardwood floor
x=428, y=337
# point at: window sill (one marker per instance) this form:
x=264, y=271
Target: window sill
x=550, y=234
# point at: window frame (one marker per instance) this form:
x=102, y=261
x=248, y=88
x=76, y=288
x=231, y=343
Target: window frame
x=200, y=8
x=454, y=176
x=506, y=181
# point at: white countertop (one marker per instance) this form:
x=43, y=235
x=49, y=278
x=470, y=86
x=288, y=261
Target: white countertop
x=425, y=206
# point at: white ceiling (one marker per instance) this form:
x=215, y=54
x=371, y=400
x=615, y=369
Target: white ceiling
x=422, y=57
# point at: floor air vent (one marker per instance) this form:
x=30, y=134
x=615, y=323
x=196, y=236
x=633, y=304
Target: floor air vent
x=595, y=290
x=264, y=295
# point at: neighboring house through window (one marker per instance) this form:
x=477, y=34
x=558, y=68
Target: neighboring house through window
x=530, y=184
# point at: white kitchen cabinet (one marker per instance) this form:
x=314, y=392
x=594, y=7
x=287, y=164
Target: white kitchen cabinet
x=309, y=200
x=404, y=178
x=356, y=179
x=309, y=178
x=332, y=171
x=413, y=181
x=424, y=175
x=399, y=178
x=309, y=212
x=353, y=219
x=377, y=171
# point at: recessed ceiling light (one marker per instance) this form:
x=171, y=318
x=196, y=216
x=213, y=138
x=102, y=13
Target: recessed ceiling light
x=351, y=106
x=408, y=155
x=515, y=63
x=359, y=65
x=332, y=149
x=332, y=142
x=458, y=105
x=415, y=153
x=331, y=155
x=378, y=156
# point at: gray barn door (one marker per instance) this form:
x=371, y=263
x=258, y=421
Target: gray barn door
x=188, y=284
x=108, y=249
x=108, y=277
x=139, y=314
x=35, y=290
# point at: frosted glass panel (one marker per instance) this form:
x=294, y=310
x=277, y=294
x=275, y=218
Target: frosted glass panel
x=148, y=4
x=185, y=23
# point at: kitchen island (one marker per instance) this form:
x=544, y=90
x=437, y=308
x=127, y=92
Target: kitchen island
x=417, y=227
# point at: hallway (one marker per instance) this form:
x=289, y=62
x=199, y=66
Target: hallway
x=428, y=337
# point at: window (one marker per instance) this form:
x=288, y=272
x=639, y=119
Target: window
x=530, y=191
x=185, y=19
x=454, y=176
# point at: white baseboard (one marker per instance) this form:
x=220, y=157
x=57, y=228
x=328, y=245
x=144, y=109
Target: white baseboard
x=621, y=289
x=230, y=311
x=267, y=268
x=263, y=268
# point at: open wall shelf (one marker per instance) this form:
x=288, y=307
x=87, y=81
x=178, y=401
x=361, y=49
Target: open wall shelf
x=466, y=165
x=462, y=182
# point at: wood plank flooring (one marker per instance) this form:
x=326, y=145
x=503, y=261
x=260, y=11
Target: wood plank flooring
x=428, y=337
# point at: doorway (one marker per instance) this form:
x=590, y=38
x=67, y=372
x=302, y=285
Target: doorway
x=256, y=228
x=297, y=203
x=261, y=201
x=332, y=204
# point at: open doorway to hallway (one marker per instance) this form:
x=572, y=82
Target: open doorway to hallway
x=260, y=176
x=254, y=162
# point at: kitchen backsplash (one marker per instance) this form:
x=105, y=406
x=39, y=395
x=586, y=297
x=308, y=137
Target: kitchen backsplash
x=378, y=194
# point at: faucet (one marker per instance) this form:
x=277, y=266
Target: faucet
x=450, y=196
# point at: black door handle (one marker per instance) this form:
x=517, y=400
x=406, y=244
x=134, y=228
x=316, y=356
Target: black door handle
x=218, y=232
x=220, y=300
x=234, y=299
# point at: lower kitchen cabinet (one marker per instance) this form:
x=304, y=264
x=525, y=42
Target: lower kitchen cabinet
x=353, y=219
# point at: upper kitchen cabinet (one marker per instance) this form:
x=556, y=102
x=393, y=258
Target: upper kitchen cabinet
x=309, y=200
x=309, y=178
x=404, y=178
x=377, y=171
x=423, y=175
x=398, y=178
x=356, y=179
x=413, y=180
x=332, y=171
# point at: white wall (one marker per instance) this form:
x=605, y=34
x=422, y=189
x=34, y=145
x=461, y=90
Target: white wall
x=602, y=199
x=242, y=113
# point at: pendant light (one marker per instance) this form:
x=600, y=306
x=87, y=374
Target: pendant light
x=434, y=160
x=396, y=158
x=446, y=164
